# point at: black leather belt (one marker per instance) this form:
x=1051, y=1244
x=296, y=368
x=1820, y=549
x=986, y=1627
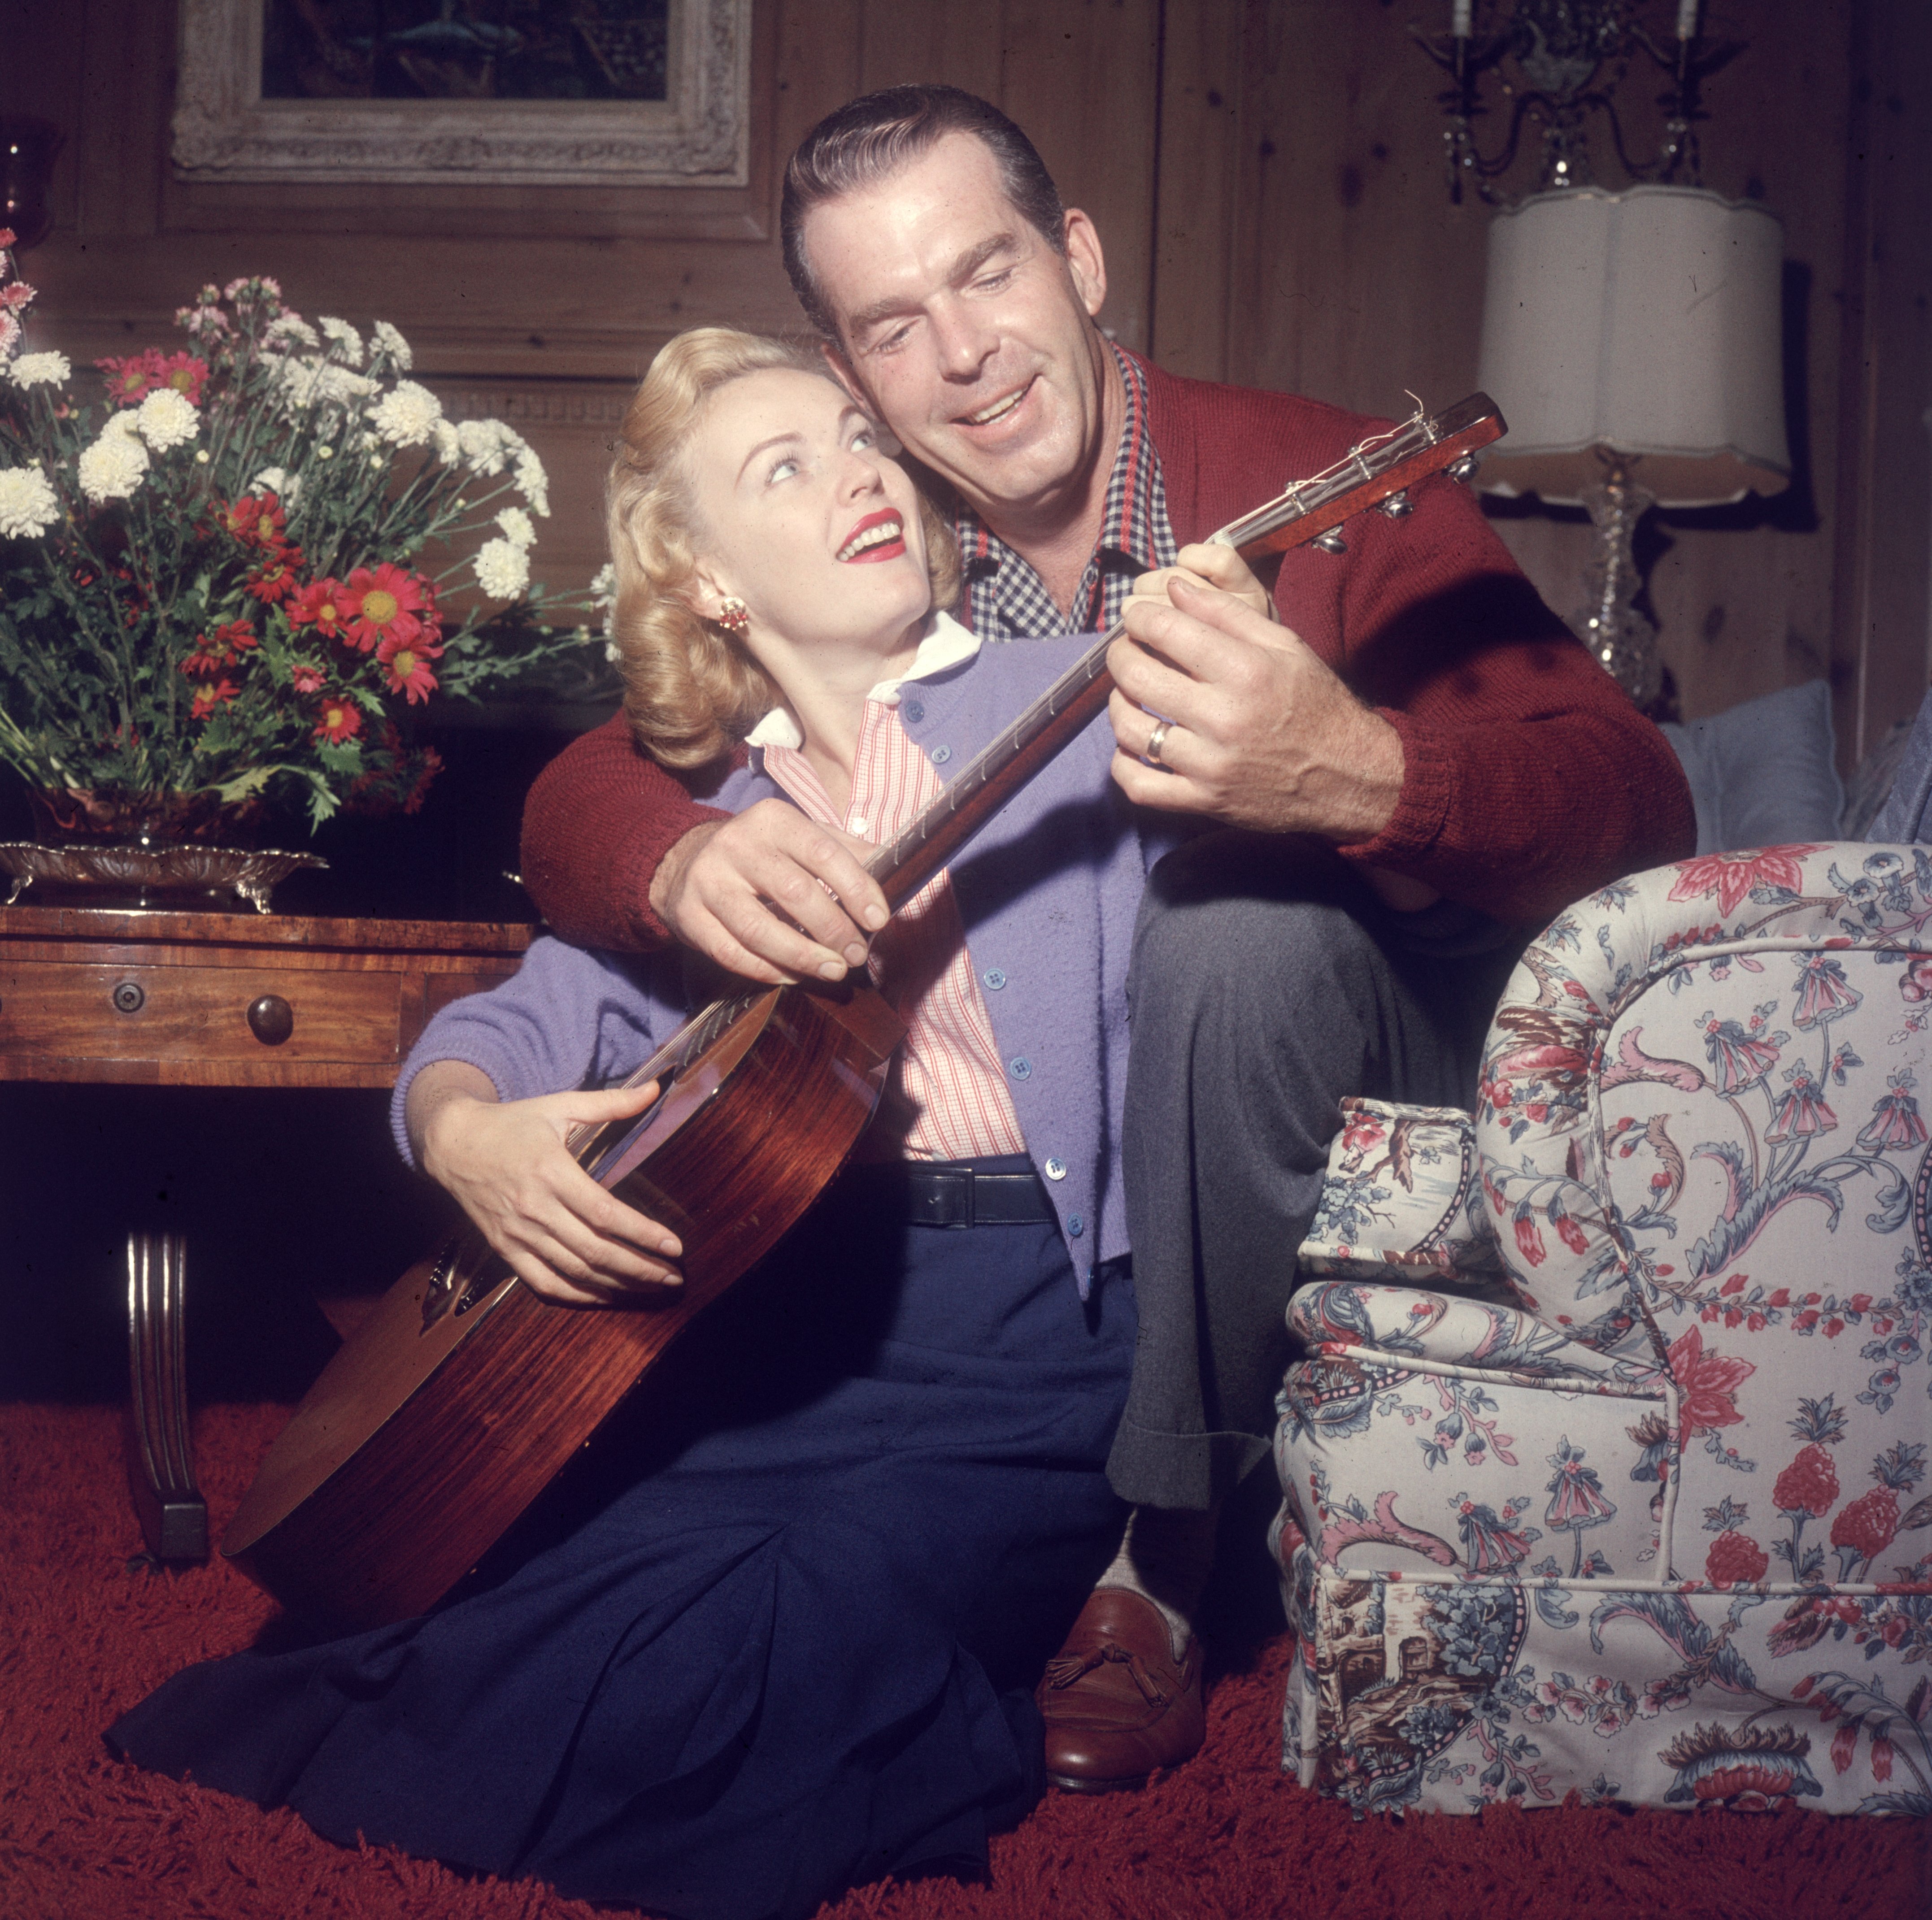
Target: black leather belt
x=952, y=1196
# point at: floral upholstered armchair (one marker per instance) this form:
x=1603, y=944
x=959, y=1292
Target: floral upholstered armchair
x=1606, y=1469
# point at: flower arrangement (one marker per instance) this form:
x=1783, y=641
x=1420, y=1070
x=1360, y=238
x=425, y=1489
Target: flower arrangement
x=210, y=580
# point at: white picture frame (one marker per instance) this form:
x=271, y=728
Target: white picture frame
x=699, y=136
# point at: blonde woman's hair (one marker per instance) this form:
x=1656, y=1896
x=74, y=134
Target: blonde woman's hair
x=690, y=690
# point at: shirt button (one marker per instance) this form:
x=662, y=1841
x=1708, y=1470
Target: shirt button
x=1056, y=1168
x=994, y=978
x=1021, y=1068
x=859, y=825
x=940, y=755
x=1075, y=1226
x=913, y=712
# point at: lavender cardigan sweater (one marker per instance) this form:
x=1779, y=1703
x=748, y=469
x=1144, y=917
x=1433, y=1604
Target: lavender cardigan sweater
x=1048, y=892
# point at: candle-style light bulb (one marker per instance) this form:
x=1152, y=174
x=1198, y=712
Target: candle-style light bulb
x=1460, y=11
x=1687, y=19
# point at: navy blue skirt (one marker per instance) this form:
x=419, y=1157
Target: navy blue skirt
x=774, y=1637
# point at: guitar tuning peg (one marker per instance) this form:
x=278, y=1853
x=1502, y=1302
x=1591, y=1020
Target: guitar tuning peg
x=1464, y=469
x=1397, y=506
x=1331, y=542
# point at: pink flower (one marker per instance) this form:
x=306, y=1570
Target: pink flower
x=1731, y=876
x=1708, y=1383
x=1529, y=1241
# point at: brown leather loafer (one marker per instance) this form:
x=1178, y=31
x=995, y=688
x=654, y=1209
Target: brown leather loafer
x=1115, y=1704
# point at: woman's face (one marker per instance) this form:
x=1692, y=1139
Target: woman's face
x=803, y=518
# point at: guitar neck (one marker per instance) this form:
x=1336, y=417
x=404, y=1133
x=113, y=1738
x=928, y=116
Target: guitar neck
x=1375, y=474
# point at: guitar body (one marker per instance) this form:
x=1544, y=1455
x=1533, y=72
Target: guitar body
x=463, y=1393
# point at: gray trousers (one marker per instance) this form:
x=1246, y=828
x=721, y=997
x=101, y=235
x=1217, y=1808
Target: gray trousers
x=1267, y=982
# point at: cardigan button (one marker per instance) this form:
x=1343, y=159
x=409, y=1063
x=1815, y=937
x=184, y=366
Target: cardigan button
x=1055, y=1169
x=1021, y=1068
x=1075, y=1226
x=913, y=712
x=994, y=978
x=940, y=755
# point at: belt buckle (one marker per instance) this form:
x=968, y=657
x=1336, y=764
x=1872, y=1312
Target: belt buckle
x=944, y=1197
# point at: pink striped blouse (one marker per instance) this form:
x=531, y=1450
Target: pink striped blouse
x=947, y=1100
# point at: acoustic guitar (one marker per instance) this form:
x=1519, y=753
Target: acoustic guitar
x=464, y=1393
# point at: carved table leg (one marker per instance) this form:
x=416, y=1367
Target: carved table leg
x=173, y=1515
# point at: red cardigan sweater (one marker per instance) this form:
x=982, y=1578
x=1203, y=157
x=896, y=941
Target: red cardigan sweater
x=1529, y=778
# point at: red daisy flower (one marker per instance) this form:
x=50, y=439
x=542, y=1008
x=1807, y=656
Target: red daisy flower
x=185, y=374
x=238, y=636
x=306, y=677
x=408, y=664
x=208, y=698
x=341, y=719
x=389, y=602
x=207, y=659
x=326, y=603
x=275, y=580
x=256, y=520
x=130, y=380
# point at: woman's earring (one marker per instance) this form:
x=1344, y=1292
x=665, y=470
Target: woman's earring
x=733, y=616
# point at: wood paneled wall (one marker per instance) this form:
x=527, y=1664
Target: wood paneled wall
x=1267, y=177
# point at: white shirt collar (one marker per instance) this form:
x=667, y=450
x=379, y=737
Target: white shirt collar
x=946, y=644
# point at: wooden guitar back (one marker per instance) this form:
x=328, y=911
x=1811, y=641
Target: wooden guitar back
x=463, y=1393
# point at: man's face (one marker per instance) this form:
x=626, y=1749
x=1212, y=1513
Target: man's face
x=972, y=339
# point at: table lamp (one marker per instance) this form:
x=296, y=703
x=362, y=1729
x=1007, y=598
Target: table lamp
x=1634, y=341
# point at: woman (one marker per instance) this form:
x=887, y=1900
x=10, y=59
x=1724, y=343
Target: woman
x=782, y=1642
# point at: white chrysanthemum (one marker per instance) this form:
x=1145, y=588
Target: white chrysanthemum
x=532, y=482
x=291, y=330
x=516, y=528
x=391, y=346
x=28, y=506
x=40, y=370
x=502, y=569
x=603, y=594
x=277, y=481
x=306, y=382
x=112, y=468
x=167, y=418
x=407, y=416
x=343, y=339
x=481, y=441
x=448, y=441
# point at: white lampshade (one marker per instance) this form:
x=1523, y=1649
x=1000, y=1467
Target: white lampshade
x=1648, y=321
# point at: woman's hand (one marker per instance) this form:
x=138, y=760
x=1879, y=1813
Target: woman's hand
x=1205, y=564
x=506, y=1163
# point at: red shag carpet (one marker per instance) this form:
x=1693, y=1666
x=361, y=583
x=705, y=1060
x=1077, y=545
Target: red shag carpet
x=83, y=1837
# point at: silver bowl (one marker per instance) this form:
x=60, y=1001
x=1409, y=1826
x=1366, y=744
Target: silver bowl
x=181, y=877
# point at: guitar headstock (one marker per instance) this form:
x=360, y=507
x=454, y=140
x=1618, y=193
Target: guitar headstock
x=1376, y=474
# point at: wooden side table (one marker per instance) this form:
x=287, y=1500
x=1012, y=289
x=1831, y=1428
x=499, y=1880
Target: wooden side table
x=217, y=1000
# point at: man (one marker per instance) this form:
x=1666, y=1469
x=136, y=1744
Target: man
x=1408, y=756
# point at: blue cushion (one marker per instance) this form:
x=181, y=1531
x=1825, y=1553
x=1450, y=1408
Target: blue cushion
x=1763, y=772
x=1907, y=814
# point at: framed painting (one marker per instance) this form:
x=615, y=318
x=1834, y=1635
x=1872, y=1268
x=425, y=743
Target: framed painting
x=647, y=93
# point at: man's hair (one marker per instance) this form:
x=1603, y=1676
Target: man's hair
x=871, y=137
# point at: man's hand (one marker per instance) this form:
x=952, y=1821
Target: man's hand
x=1259, y=733
x=750, y=893
x=506, y=1163
x=1205, y=564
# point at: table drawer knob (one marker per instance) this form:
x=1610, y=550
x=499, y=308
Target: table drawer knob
x=128, y=997
x=270, y=1019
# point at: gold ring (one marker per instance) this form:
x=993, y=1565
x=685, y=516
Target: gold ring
x=1151, y=753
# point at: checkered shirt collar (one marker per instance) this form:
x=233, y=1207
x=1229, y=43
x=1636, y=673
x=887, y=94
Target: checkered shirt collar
x=1005, y=599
